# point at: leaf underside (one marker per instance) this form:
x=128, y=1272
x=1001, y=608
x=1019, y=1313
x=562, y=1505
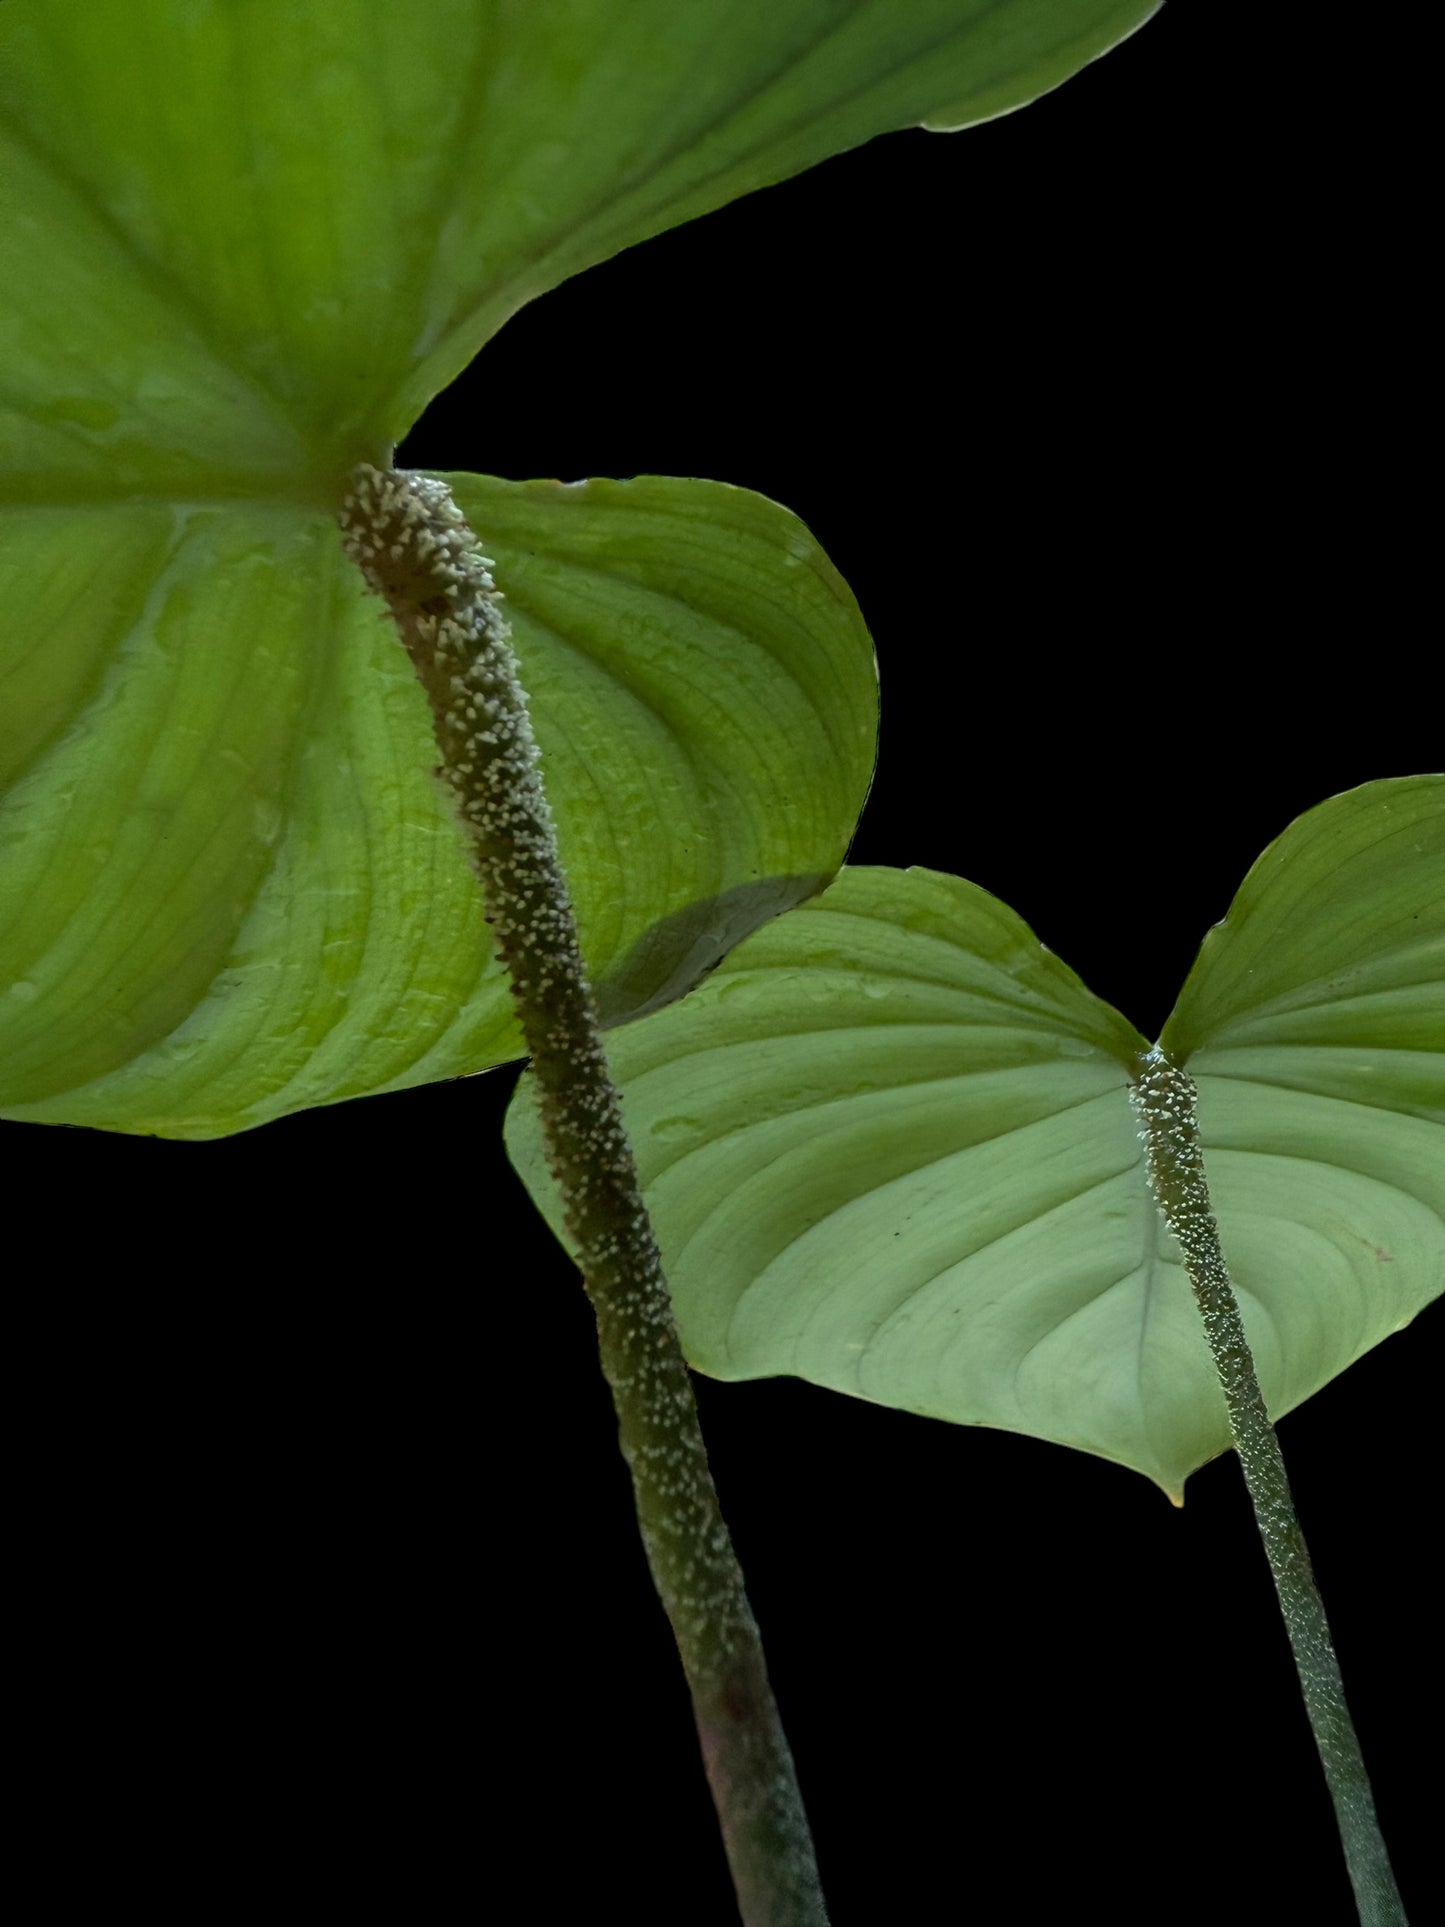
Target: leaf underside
x=240, y=249
x=233, y=887
x=889, y=1145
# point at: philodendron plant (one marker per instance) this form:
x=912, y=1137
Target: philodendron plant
x=896, y=1147
x=242, y=244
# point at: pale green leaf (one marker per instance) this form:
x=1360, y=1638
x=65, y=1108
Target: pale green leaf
x=1335, y=942
x=889, y=1145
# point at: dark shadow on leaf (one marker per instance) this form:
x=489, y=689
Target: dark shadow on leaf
x=679, y=951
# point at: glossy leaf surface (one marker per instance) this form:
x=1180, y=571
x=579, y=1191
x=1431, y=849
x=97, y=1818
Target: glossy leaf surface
x=889, y=1146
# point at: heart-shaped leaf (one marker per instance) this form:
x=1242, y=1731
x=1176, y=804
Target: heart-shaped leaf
x=240, y=248
x=889, y=1146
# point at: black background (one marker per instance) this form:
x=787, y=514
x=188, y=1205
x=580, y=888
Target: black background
x=335, y=1586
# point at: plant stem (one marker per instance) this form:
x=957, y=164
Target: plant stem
x=1164, y=1097
x=415, y=549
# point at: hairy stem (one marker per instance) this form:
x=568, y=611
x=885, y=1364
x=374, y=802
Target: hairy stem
x=1164, y=1097
x=416, y=551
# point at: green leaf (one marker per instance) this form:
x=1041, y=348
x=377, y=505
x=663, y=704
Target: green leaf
x=889, y=1145
x=235, y=226
x=231, y=887
x=1335, y=943
x=241, y=246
